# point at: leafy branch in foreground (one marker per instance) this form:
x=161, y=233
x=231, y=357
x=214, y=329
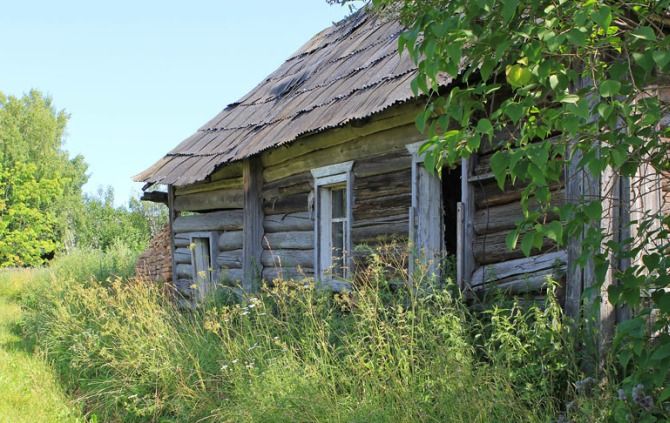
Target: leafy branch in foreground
x=555, y=84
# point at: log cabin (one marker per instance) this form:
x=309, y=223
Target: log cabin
x=322, y=157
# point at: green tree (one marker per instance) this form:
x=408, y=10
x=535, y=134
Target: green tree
x=41, y=184
x=100, y=224
x=563, y=81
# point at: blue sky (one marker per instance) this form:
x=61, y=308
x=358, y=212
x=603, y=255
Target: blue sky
x=139, y=76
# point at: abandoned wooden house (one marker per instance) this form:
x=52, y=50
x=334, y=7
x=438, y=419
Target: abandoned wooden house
x=321, y=157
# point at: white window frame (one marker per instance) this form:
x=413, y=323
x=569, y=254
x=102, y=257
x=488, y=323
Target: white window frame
x=212, y=275
x=334, y=175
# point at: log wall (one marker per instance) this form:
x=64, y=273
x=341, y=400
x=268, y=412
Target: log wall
x=496, y=212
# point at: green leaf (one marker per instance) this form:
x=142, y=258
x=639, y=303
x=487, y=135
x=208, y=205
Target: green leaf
x=664, y=395
x=518, y=75
x=554, y=231
x=484, y=127
x=569, y=98
x=593, y=210
x=511, y=239
x=609, y=88
x=499, y=165
x=662, y=352
x=644, y=33
x=603, y=17
x=553, y=81
x=509, y=9
x=514, y=111
x=661, y=57
x=527, y=243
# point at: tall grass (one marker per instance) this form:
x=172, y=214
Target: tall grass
x=385, y=352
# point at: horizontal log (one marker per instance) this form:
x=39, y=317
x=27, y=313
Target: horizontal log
x=222, y=184
x=383, y=164
x=230, y=259
x=184, y=271
x=402, y=115
x=230, y=276
x=270, y=273
x=184, y=288
x=182, y=256
x=385, y=141
x=294, y=240
x=497, y=218
x=182, y=240
x=363, y=234
x=299, y=221
x=155, y=197
x=230, y=240
x=396, y=183
x=226, y=220
x=214, y=200
x=286, y=204
x=391, y=205
x=300, y=183
x=492, y=248
x=288, y=258
x=228, y=170
x=488, y=194
x=518, y=267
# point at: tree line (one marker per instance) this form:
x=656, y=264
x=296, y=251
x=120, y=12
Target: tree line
x=43, y=210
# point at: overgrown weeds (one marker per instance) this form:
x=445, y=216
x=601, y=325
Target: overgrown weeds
x=385, y=352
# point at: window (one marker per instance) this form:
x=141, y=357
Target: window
x=332, y=185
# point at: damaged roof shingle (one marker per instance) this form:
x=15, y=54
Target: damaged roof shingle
x=346, y=72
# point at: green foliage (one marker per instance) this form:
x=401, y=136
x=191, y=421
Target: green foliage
x=294, y=353
x=99, y=224
x=39, y=184
x=568, y=81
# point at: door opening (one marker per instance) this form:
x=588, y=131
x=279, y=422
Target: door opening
x=451, y=196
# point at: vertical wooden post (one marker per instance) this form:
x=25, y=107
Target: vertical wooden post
x=610, y=224
x=464, y=253
x=574, y=181
x=252, y=243
x=172, y=215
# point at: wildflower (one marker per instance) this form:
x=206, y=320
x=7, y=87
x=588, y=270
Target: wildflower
x=639, y=398
x=234, y=361
x=224, y=367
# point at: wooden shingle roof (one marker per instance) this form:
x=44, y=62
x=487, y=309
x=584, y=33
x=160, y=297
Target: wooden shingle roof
x=348, y=71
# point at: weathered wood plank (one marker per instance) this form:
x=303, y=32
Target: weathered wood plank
x=488, y=194
x=526, y=283
x=172, y=216
x=287, y=204
x=497, y=218
x=215, y=200
x=369, y=233
x=465, y=254
x=230, y=259
x=228, y=170
x=573, y=281
x=383, y=164
x=294, y=240
x=377, y=143
x=230, y=240
x=299, y=221
x=395, y=183
x=288, y=258
x=184, y=271
x=226, y=220
x=252, y=224
x=231, y=276
x=182, y=256
x=491, y=248
x=390, y=205
x=517, y=267
x=222, y=184
x=182, y=240
x=403, y=115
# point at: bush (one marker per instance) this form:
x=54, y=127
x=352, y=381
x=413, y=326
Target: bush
x=294, y=353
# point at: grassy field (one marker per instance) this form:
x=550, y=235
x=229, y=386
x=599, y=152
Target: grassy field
x=29, y=390
x=384, y=353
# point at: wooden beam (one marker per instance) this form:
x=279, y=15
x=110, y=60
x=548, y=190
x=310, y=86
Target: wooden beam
x=574, y=185
x=172, y=216
x=252, y=247
x=226, y=220
x=155, y=197
x=465, y=250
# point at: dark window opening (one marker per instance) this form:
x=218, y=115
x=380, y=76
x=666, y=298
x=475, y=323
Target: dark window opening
x=451, y=196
